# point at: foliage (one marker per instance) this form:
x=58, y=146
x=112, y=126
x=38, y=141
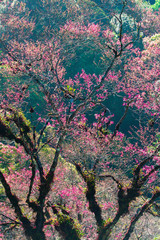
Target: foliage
x=156, y=6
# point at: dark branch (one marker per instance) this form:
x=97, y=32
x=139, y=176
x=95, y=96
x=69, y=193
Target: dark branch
x=90, y=180
x=140, y=212
x=101, y=177
x=120, y=122
x=14, y=201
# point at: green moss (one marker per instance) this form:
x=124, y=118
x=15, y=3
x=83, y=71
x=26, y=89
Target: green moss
x=21, y=121
x=155, y=37
x=156, y=6
x=157, y=238
x=69, y=227
x=5, y=131
x=109, y=220
x=1, y=190
x=89, y=175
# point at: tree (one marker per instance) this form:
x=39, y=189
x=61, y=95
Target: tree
x=74, y=127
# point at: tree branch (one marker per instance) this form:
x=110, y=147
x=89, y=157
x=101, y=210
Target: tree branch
x=101, y=177
x=140, y=212
x=94, y=207
x=141, y=164
x=120, y=122
x=14, y=201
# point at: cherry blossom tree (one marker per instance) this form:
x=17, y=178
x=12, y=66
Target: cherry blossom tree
x=66, y=166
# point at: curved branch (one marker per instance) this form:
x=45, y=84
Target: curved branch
x=140, y=213
x=145, y=178
x=14, y=201
x=120, y=121
x=119, y=185
x=141, y=164
x=45, y=187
